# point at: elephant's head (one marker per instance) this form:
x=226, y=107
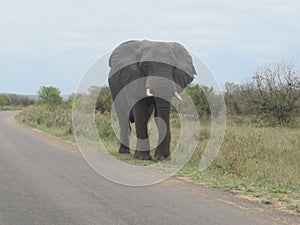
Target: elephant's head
x=155, y=61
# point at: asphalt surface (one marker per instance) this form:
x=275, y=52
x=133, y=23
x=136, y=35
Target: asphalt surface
x=44, y=180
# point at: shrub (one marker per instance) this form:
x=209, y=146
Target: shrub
x=49, y=96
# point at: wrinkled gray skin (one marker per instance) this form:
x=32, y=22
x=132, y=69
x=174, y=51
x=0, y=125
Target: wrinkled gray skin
x=150, y=59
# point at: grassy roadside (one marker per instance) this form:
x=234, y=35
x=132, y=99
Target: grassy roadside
x=261, y=163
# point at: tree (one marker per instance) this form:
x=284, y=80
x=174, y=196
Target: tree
x=232, y=98
x=275, y=91
x=104, y=99
x=49, y=96
x=70, y=100
x=2, y=100
x=8, y=99
x=199, y=95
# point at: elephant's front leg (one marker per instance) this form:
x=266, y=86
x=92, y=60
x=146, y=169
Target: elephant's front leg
x=141, y=113
x=162, y=110
x=124, y=128
x=124, y=136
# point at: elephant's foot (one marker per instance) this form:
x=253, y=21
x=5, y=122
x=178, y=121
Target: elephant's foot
x=160, y=156
x=142, y=155
x=124, y=150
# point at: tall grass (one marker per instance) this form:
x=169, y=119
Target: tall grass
x=57, y=121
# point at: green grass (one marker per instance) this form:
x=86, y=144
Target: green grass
x=259, y=162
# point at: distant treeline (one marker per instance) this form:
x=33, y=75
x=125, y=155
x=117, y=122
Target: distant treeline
x=7, y=100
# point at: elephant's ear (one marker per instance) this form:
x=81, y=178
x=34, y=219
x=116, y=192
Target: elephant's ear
x=124, y=63
x=124, y=55
x=185, y=70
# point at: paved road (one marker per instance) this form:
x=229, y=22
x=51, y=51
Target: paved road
x=45, y=181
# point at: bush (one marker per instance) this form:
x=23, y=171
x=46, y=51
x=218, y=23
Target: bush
x=199, y=96
x=275, y=92
x=49, y=96
x=59, y=118
x=103, y=125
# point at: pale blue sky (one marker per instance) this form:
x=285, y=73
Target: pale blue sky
x=54, y=42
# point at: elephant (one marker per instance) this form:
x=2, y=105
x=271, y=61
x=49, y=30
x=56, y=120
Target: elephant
x=154, y=72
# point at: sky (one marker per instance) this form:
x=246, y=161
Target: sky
x=55, y=42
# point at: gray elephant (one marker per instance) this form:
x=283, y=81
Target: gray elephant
x=143, y=78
